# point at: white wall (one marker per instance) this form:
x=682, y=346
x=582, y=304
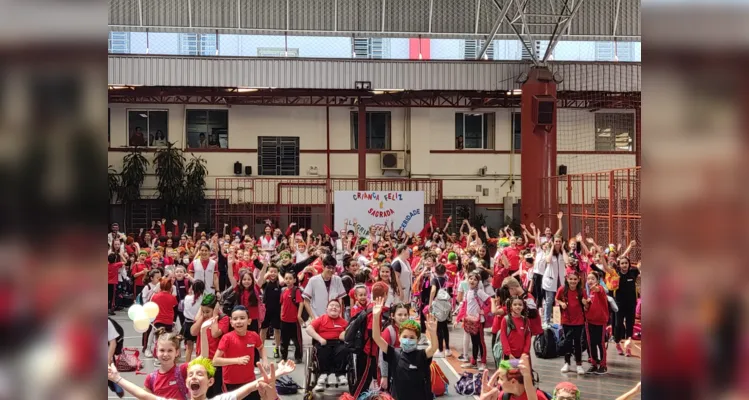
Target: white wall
x=430, y=129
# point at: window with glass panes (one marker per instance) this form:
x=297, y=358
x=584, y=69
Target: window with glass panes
x=615, y=131
x=207, y=129
x=474, y=130
x=378, y=130
x=147, y=128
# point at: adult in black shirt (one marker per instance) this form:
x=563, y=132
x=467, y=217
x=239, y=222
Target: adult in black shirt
x=626, y=299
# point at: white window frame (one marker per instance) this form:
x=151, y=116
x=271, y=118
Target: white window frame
x=147, y=132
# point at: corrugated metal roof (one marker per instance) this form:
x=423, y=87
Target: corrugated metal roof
x=594, y=20
x=341, y=74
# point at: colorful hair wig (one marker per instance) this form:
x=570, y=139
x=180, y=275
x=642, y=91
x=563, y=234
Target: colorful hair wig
x=411, y=325
x=205, y=363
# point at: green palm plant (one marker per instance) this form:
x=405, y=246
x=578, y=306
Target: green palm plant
x=194, y=188
x=170, y=173
x=134, y=167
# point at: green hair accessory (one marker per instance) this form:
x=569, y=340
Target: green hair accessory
x=365, y=241
x=205, y=363
x=452, y=256
x=504, y=364
x=208, y=300
x=411, y=325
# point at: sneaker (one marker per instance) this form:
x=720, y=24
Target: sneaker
x=342, y=380
x=332, y=381
x=482, y=367
x=592, y=370
x=566, y=368
x=468, y=365
x=320, y=383
x=619, y=349
x=448, y=353
x=438, y=354
x=147, y=354
x=462, y=358
x=602, y=370
x=275, y=353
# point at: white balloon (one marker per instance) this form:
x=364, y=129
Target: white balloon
x=133, y=311
x=151, y=309
x=141, y=325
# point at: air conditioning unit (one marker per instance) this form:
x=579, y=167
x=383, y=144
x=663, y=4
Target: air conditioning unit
x=392, y=160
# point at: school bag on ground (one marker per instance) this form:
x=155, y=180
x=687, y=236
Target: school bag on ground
x=439, y=380
x=128, y=361
x=469, y=384
x=286, y=385
x=441, y=307
x=545, y=345
x=181, y=380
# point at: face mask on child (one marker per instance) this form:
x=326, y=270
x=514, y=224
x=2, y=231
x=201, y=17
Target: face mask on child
x=408, y=345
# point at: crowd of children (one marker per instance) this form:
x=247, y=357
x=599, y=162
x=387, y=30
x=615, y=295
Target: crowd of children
x=231, y=291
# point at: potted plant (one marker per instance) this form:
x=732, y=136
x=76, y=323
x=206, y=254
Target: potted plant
x=113, y=179
x=170, y=173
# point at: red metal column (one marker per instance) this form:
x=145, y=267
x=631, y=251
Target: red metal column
x=638, y=136
x=362, y=149
x=539, y=155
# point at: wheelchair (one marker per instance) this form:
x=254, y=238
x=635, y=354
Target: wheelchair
x=313, y=372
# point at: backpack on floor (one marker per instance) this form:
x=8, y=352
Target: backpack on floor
x=469, y=384
x=545, y=345
x=128, y=361
x=439, y=380
x=286, y=385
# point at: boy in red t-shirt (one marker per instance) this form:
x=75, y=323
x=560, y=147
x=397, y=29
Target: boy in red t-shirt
x=113, y=270
x=139, y=270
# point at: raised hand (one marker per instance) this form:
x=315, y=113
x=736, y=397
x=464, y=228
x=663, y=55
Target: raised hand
x=159, y=223
x=112, y=373
x=523, y=226
x=489, y=390
x=533, y=226
x=632, y=243
x=590, y=240
x=141, y=230
x=560, y=215
x=285, y=368
x=292, y=224
x=225, y=224
x=432, y=325
x=579, y=237
x=483, y=228
x=196, y=224
x=163, y=220
x=175, y=223
x=309, y=231
x=377, y=307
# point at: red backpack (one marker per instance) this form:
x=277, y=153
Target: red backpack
x=439, y=380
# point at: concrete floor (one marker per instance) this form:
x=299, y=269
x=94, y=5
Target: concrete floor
x=623, y=374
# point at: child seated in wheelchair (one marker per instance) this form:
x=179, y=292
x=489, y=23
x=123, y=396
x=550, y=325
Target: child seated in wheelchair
x=327, y=332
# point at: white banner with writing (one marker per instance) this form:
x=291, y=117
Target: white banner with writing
x=399, y=210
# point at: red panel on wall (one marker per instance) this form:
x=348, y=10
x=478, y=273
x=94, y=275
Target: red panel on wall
x=416, y=46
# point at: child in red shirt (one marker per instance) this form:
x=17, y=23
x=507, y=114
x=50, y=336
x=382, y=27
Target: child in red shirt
x=514, y=331
x=169, y=380
x=139, y=270
x=291, y=317
x=359, y=295
x=218, y=327
x=236, y=353
x=597, y=316
x=570, y=300
x=328, y=331
x=113, y=270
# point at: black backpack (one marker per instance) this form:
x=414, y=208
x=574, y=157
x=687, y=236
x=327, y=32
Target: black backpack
x=286, y=385
x=545, y=345
x=357, y=333
x=120, y=338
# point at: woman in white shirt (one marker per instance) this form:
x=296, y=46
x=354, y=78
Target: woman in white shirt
x=556, y=262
